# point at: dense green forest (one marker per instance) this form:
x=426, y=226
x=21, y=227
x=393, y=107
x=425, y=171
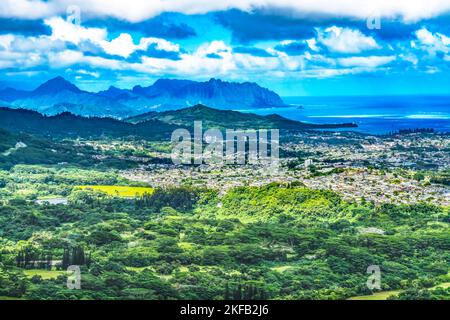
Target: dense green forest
x=153, y=126
x=279, y=241
x=227, y=119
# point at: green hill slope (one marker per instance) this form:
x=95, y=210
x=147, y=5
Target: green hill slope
x=228, y=119
x=69, y=125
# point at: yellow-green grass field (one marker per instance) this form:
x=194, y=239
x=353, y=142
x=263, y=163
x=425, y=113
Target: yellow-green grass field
x=282, y=269
x=444, y=285
x=382, y=295
x=44, y=274
x=120, y=191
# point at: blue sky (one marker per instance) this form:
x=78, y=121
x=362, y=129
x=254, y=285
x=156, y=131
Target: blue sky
x=309, y=47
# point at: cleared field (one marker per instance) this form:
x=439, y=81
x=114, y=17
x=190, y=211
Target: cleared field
x=45, y=274
x=282, y=269
x=383, y=295
x=120, y=191
x=138, y=269
x=444, y=285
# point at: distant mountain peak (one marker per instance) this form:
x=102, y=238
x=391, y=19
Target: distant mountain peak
x=58, y=95
x=115, y=93
x=115, y=89
x=56, y=85
x=201, y=108
x=214, y=92
x=169, y=83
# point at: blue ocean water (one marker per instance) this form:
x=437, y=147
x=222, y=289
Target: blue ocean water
x=372, y=114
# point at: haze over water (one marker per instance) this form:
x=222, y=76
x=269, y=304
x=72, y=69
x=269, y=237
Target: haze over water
x=373, y=114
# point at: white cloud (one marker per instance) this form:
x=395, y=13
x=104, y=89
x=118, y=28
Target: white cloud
x=36, y=44
x=70, y=32
x=346, y=40
x=211, y=59
x=139, y=10
x=432, y=70
x=161, y=44
x=215, y=47
x=199, y=64
x=196, y=63
x=411, y=58
x=23, y=73
x=28, y=9
x=64, y=58
x=13, y=53
x=6, y=40
x=20, y=60
x=123, y=45
x=312, y=44
x=88, y=73
x=432, y=42
x=426, y=37
x=366, y=62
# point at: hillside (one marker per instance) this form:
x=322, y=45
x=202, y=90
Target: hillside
x=151, y=126
x=227, y=119
x=27, y=149
x=66, y=124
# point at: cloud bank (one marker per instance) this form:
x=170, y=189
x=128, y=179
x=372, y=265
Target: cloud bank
x=285, y=42
x=137, y=10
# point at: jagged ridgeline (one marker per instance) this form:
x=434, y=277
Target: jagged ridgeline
x=59, y=95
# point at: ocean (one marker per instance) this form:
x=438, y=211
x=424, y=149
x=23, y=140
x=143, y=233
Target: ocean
x=372, y=114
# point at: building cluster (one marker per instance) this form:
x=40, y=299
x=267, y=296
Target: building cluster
x=354, y=165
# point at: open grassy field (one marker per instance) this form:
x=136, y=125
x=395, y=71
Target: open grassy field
x=383, y=295
x=444, y=285
x=138, y=269
x=120, y=191
x=45, y=274
x=282, y=269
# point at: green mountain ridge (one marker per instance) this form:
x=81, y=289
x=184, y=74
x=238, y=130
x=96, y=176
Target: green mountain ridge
x=227, y=119
x=152, y=126
x=69, y=125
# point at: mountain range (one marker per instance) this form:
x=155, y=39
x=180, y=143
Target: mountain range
x=59, y=95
